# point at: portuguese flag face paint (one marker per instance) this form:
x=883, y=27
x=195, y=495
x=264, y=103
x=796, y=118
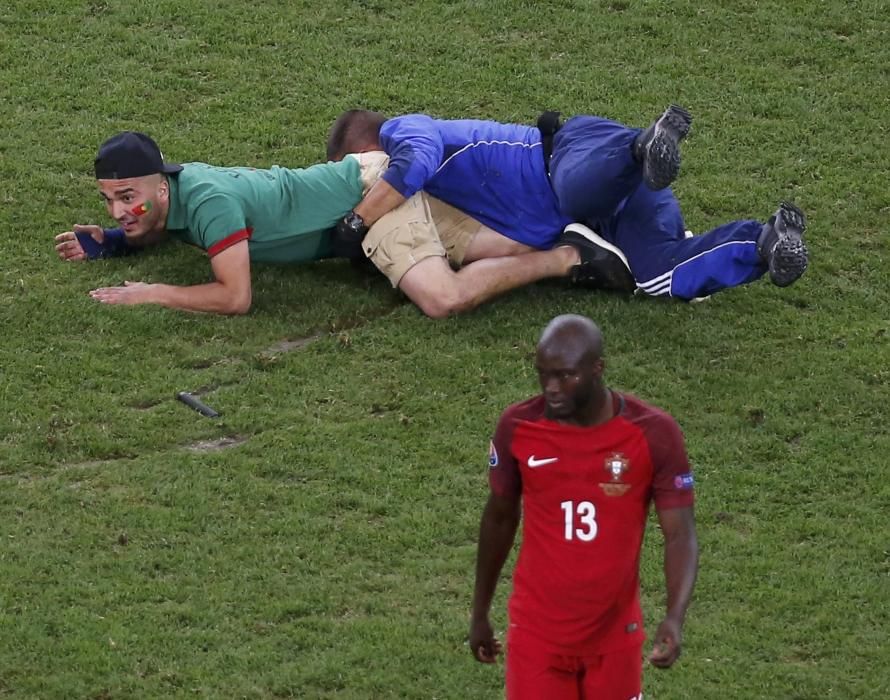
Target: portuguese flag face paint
x=141, y=209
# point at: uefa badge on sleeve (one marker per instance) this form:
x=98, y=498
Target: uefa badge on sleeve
x=616, y=466
x=684, y=482
x=492, y=455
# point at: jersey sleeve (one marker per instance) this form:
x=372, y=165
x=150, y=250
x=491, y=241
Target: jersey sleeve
x=503, y=471
x=218, y=222
x=415, y=150
x=672, y=482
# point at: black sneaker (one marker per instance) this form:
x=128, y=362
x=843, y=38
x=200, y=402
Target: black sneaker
x=658, y=147
x=781, y=245
x=602, y=266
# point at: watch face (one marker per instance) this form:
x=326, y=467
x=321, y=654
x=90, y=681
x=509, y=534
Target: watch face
x=356, y=223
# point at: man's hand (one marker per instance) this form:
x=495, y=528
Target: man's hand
x=483, y=644
x=347, y=237
x=130, y=293
x=69, y=248
x=666, y=649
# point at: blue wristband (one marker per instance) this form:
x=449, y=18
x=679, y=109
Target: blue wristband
x=114, y=245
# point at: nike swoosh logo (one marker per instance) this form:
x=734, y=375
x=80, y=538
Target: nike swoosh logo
x=532, y=462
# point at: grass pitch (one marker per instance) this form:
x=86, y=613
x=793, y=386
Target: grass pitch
x=318, y=540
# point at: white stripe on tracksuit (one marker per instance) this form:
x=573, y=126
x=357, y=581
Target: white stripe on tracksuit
x=658, y=285
x=661, y=285
x=476, y=144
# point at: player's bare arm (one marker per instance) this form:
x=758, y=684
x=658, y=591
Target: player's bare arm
x=230, y=293
x=497, y=531
x=680, y=571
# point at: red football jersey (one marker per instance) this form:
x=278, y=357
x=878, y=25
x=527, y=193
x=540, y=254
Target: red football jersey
x=585, y=498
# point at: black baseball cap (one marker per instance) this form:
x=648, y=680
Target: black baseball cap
x=131, y=154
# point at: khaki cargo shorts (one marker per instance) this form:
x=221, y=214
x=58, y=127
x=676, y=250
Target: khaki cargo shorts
x=422, y=227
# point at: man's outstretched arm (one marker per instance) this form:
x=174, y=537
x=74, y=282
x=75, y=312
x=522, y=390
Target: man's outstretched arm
x=496, y=534
x=230, y=293
x=680, y=571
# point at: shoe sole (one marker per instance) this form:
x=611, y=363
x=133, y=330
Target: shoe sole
x=790, y=257
x=620, y=279
x=662, y=162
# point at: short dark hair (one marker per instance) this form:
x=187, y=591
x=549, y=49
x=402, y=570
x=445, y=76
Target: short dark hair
x=353, y=131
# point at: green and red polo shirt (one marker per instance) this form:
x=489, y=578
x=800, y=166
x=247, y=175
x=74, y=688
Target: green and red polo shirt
x=284, y=214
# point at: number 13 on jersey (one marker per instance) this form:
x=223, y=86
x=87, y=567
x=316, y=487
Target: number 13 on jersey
x=580, y=520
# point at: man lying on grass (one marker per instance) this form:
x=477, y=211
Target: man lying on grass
x=245, y=215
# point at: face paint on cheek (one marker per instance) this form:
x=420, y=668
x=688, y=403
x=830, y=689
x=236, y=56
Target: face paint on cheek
x=141, y=209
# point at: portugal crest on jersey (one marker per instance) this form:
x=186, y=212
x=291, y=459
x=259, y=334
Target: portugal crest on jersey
x=615, y=465
x=492, y=455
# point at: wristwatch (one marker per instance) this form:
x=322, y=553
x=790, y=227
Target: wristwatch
x=348, y=235
x=355, y=224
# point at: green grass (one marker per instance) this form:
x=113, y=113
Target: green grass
x=330, y=553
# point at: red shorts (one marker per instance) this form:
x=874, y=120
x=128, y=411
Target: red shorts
x=534, y=672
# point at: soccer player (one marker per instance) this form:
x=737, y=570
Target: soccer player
x=244, y=215
x=582, y=463
x=529, y=183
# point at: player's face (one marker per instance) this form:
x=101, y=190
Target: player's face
x=138, y=204
x=569, y=384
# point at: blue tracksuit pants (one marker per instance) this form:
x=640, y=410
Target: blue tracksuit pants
x=597, y=181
